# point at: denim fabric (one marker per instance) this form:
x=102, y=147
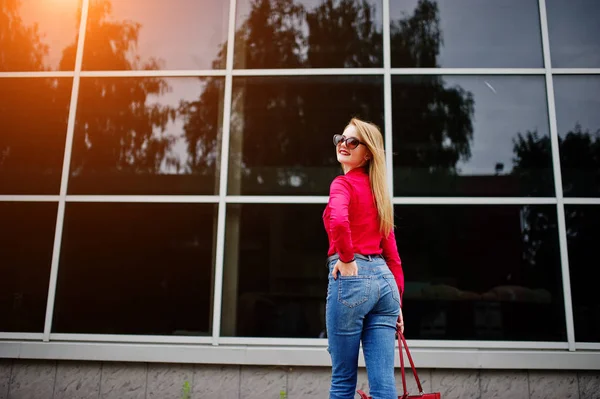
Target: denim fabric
x=362, y=308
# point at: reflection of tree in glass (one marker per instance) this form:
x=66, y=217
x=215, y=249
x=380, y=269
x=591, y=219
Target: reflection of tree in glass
x=343, y=34
x=21, y=47
x=202, y=121
x=580, y=159
x=112, y=44
x=283, y=34
x=279, y=119
x=33, y=112
x=271, y=36
x=432, y=123
x=116, y=127
x=416, y=39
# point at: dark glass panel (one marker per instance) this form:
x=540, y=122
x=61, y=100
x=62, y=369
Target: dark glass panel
x=26, y=242
x=33, y=126
x=144, y=269
x=583, y=236
x=578, y=120
x=275, y=279
x=481, y=272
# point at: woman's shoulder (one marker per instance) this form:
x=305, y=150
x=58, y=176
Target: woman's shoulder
x=341, y=182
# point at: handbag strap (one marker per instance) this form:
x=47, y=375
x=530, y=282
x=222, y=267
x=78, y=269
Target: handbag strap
x=412, y=365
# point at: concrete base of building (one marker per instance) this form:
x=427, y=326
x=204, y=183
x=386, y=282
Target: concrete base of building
x=33, y=379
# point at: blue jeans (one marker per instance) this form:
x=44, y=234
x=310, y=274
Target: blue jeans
x=362, y=308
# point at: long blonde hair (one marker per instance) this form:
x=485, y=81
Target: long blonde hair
x=373, y=139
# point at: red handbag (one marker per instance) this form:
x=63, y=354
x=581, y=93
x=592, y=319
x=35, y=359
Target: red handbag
x=421, y=395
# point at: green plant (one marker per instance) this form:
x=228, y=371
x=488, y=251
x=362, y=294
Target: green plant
x=186, y=391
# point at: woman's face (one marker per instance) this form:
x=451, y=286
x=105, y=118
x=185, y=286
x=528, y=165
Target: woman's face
x=351, y=158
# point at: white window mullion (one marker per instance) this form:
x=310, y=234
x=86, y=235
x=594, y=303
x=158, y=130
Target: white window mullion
x=224, y=168
x=560, y=206
x=65, y=173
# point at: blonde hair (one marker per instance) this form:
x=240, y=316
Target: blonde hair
x=373, y=139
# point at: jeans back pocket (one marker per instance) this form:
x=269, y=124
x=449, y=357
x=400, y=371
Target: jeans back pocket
x=353, y=290
x=389, y=278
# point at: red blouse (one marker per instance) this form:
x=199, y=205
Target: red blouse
x=352, y=223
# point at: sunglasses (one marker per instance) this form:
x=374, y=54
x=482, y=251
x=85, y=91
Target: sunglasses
x=351, y=142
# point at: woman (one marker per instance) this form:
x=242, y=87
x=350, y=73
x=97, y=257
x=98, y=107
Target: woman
x=366, y=278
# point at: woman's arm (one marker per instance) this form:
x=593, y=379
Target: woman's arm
x=339, y=224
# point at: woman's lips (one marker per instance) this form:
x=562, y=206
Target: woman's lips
x=344, y=152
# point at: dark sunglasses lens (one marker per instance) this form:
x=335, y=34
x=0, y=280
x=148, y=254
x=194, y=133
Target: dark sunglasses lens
x=351, y=143
x=336, y=139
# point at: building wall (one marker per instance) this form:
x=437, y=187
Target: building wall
x=69, y=380
x=148, y=180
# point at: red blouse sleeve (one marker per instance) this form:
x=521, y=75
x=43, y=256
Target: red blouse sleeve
x=340, y=193
x=392, y=258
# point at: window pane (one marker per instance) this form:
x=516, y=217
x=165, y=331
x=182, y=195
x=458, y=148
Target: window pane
x=26, y=242
x=157, y=34
x=33, y=126
x=38, y=35
x=574, y=33
x=282, y=129
x=147, y=136
x=136, y=269
x=465, y=34
x=583, y=236
x=275, y=278
x=308, y=33
x=481, y=272
x=471, y=136
x=578, y=120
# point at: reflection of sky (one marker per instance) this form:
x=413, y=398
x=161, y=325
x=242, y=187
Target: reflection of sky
x=57, y=24
x=479, y=33
x=577, y=101
x=504, y=106
x=574, y=28
x=182, y=89
x=186, y=34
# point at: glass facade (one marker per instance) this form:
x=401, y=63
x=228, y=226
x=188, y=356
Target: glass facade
x=165, y=174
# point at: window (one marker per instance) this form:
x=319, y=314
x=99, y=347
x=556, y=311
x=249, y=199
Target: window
x=471, y=136
x=465, y=34
x=578, y=123
x=306, y=33
x=282, y=130
x=574, y=33
x=26, y=241
x=583, y=236
x=33, y=127
x=144, y=269
x=38, y=35
x=481, y=272
x=275, y=277
x=157, y=34
x=147, y=136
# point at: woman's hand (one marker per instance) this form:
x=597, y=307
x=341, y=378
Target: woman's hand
x=345, y=269
x=400, y=322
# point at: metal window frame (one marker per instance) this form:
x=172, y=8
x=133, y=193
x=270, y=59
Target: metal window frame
x=295, y=351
